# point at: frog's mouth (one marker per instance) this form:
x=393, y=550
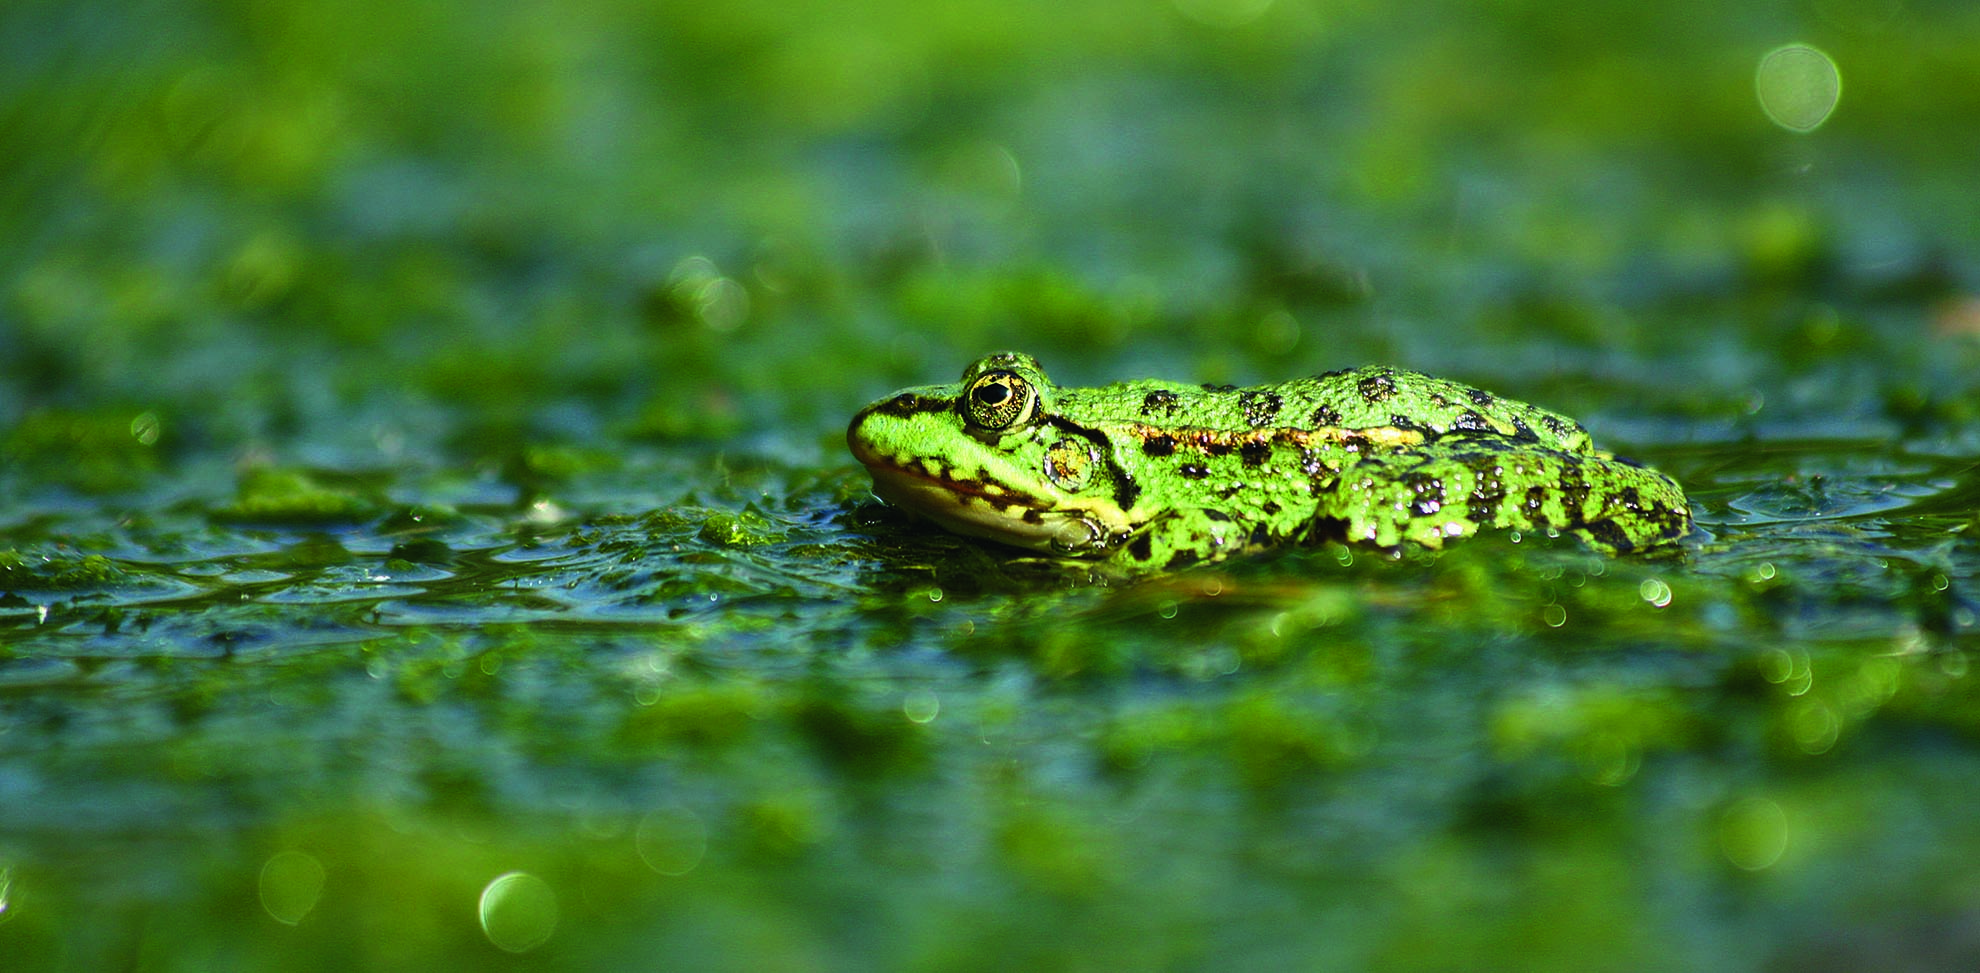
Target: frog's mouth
x=976, y=508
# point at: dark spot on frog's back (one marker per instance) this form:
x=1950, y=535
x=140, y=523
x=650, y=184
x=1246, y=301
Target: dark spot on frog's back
x=1126, y=490
x=1160, y=402
x=1327, y=529
x=909, y=404
x=1469, y=421
x=1574, y=491
x=1481, y=398
x=1488, y=488
x=1561, y=428
x=1611, y=535
x=1193, y=471
x=1326, y=416
x=1428, y=492
x=1672, y=522
x=1142, y=547
x=1260, y=406
x=1377, y=387
x=1163, y=445
x=1536, y=498
x=1254, y=453
x=1405, y=423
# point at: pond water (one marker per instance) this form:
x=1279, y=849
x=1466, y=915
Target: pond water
x=428, y=539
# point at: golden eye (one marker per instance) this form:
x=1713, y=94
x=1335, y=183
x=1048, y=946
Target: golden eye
x=999, y=400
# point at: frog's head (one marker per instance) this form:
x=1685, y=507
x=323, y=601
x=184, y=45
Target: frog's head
x=990, y=457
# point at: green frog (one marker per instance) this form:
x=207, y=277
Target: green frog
x=1159, y=475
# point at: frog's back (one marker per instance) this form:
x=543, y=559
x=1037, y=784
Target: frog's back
x=1363, y=399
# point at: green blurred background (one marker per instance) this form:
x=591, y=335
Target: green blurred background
x=420, y=454
x=259, y=219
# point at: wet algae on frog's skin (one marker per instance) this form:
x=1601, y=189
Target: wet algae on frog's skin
x=1162, y=474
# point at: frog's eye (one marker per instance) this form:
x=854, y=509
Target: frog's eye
x=999, y=400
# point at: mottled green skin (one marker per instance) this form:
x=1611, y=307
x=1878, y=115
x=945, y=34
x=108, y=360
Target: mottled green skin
x=1161, y=474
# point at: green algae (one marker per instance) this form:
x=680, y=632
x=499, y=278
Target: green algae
x=271, y=495
x=745, y=528
x=56, y=571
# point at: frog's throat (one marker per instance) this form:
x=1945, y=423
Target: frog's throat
x=992, y=512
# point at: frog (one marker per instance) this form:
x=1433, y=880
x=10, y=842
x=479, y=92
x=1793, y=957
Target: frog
x=1158, y=475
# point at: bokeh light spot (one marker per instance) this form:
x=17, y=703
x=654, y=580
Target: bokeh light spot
x=291, y=884
x=1815, y=726
x=671, y=840
x=518, y=912
x=1798, y=87
x=1655, y=591
x=1753, y=834
x=921, y=706
x=985, y=171
x=700, y=288
x=145, y=428
x=1608, y=759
